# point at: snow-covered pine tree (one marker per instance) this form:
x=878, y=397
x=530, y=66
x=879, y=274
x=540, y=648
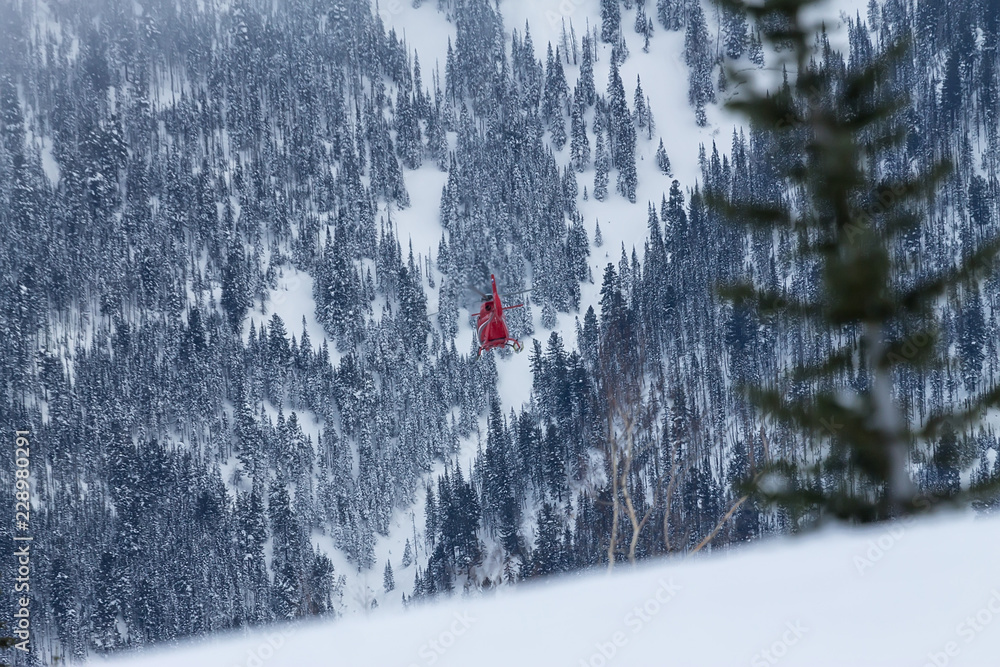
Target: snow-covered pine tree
x=610, y=20
x=622, y=135
x=585, y=87
x=734, y=31
x=602, y=160
x=663, y=160
x=388, y=582
x=579, y=143
x=699, y=58
x=407, y=554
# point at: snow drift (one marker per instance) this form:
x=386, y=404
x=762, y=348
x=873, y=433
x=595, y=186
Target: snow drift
x=919, y=593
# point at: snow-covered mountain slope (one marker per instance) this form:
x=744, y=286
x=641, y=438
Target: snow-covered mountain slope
x=664, y=76
x=196, y=514
x=920, y=593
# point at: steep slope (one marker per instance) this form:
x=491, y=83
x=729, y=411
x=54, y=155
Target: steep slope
x=664, y=77
x=623, y=225
x=427, y=32
x=923, y=593
x=192, y=171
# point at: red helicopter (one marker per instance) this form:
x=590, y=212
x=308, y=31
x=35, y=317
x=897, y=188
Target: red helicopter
x=491, y=328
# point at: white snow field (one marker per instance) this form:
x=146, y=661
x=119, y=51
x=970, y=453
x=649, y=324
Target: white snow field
x=924, y=593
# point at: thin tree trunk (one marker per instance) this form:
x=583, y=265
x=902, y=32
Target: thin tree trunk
x=615, y=508
x=675, y=474
x=629, y=507
x=718, y=526
x=899, y=488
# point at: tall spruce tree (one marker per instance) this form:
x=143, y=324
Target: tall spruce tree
x=579, y=144
x=610, y=20
x=878, y=308
x=388, y=581
x=699, y=58
x=622, y=135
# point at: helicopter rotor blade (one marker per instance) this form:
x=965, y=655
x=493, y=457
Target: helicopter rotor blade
x=524, y=291
x=482, y=295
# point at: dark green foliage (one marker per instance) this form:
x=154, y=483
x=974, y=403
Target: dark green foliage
x=734, y=30
x=610, y=20
x=663, y=160
x=338, y=292
x=236, y=287
x=388, y=581
x=699, y=58
x=547, y=558
x=876, y=305
x=602, y=164
x=579, y=143
x=670, y=14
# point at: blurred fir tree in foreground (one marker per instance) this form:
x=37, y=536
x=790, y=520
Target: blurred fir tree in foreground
x=848, y=207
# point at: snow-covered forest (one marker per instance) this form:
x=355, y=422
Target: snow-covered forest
x=238, y=240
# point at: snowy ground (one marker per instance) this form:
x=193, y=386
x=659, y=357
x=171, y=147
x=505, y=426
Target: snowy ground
x=920, y=594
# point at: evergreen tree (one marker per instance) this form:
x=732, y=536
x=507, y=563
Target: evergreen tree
x=388, y=582
x=585, y=88
x=640, y=18
x=414, y=325
x=554, y=98
x=673, y=215
x=755, y=49
x=611, y=19
x=699, y=59
x=622, y=135
x=547, y=557
x=662, y=160
x=642, y=114
x=409, y=145
x=734, y=30
x=235, y=298
x=407, y=554
x=579, y=143
x=670, y=14
x=874, y=319
x=602, y=165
